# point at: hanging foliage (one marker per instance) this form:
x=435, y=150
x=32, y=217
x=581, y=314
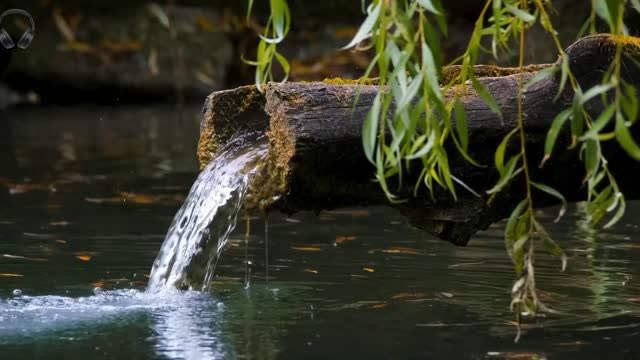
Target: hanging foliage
x=415, y=115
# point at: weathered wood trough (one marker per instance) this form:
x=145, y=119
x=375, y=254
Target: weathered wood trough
x=317, y=161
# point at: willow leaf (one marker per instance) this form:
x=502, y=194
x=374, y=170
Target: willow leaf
x=461, y=124
x=623, y=135
x=553, y=132
x=619, y=213
x=370, y=129
x=429, y=6
x=521, y=14
x=365, y=29
x=556, y=194
x=550, y=245
x=541, y=75
x=500, y=151
x=600, y=123
x=486, y=96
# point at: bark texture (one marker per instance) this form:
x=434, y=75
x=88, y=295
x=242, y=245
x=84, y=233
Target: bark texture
x=314, y=131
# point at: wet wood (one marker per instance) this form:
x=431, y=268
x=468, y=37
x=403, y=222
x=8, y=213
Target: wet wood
x=315, y=135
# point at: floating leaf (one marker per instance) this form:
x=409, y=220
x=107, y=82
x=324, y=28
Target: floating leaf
x=10, y=275
x=306, y=248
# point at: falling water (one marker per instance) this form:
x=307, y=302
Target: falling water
x=201, y=227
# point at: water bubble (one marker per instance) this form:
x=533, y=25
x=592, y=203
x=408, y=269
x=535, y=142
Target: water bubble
x=17, y=292
x=97, y=290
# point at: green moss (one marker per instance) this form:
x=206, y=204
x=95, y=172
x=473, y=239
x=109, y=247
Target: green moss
x=630, y=44
x=451, y=73
x=342, y=81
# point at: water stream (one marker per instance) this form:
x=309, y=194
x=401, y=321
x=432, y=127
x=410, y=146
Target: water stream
x=200, y=229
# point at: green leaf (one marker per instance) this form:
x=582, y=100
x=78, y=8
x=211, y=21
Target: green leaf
x=619, y=213
x=541, y=75
x=556, y=194
x=365, y=29
x=509, y=173
x=500, y=151
x=550, y=245
x=432, y=73
x=591, y=157
x=370, y=129
x=553, y=132
x=509, y=230
x=630, y=102
x=461, y=124
x=636, y=4
x=625, y=139
x=486, y=96
x=602, y=10
x=285, y=65
x=410, y=93
x=429, y=6
x=598, y=206
x=600, y=123
x=594, y=91
x=249, y=9
x=564, y=75
x=521, y=14
x=425, y=149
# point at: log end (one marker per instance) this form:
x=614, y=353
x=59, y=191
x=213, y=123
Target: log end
x=227, y=114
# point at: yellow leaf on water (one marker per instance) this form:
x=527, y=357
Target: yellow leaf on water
x=311, y=271
x=84, y=257
x=60, y=241
x=403, y=250
x=368, y=269
x=341, y=239
x=306, y=248
x=18, y=257
x=379, y=306
x=10, y=275
x=97, y=284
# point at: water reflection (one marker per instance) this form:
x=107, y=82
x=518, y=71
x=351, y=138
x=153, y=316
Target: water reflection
x=91, y=208
x=190, y=329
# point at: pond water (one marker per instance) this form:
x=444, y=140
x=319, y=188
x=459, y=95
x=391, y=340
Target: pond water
x=88, y=194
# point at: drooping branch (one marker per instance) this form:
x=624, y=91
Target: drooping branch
x=316, y=153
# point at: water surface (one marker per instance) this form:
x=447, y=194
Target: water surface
x=88, y=194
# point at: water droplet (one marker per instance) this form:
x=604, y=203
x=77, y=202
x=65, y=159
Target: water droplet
x=17, y=292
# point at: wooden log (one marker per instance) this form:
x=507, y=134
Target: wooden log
x=317, y=160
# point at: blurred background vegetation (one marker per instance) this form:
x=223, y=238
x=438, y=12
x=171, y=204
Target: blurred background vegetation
x=179, y=51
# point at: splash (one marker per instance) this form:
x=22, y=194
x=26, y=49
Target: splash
x=201, y=227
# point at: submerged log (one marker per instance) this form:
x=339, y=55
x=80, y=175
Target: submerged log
x=317, y=160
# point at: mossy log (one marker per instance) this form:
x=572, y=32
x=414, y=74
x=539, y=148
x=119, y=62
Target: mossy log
x=317, y=160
